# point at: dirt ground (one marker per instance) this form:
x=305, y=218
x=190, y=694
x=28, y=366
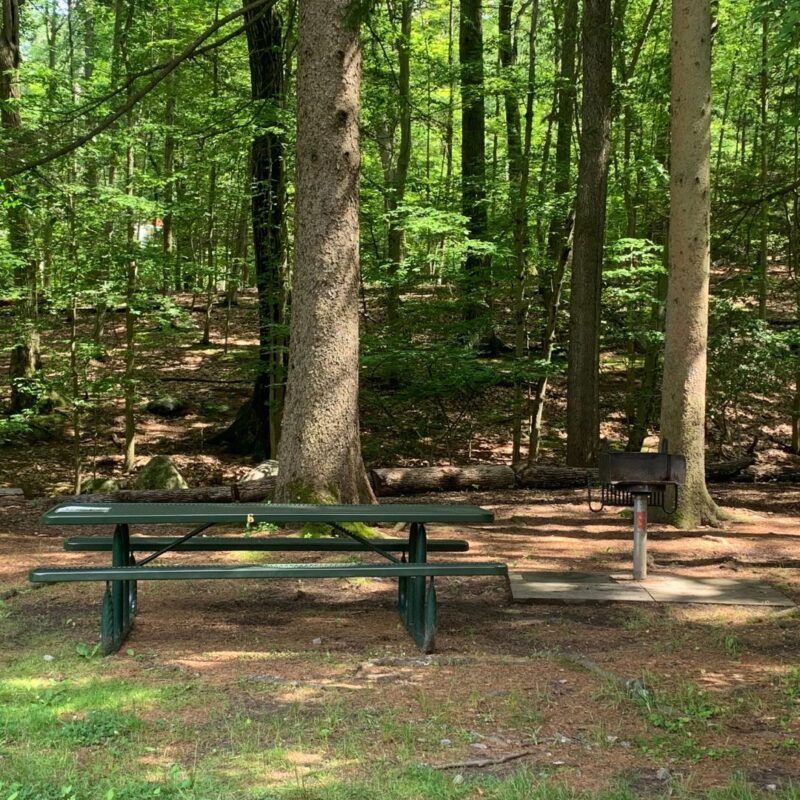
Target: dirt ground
x=551, y=686
x=599, y=695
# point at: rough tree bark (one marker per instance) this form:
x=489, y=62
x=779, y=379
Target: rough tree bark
x=683, y=402
x=583, y=391
x=25, y=358
x=320, y=447
x=256, y=429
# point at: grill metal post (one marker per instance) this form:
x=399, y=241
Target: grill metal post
x=640, y=500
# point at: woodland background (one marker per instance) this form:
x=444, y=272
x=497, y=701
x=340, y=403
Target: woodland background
x=144, y=203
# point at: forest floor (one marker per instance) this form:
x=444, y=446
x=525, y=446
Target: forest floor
x=312, y=689
x=435, y=415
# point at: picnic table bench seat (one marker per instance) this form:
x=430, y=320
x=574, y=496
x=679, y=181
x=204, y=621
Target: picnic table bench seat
x=415, y=575
x=104, y=544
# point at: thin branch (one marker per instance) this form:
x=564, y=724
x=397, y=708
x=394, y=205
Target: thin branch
x=188, y=52
x=92, y=104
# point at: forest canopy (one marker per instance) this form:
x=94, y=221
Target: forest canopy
x=149, y=166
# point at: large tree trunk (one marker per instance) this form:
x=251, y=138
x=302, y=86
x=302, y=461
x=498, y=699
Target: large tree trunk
x=320, y=448
x=583, y=393
x=683, y=404
x=473, y=152
x=25, y=358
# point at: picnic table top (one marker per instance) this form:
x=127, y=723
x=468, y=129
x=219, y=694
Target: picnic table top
x=76, y=513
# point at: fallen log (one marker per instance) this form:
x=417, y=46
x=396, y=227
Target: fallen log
x=419, y=480
x=244, y=491
x=726, y=470
x=550, y=477
x=191, y=379
x=396, y=481
x=778, y=562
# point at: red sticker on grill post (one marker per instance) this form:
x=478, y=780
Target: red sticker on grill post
x=640, y=519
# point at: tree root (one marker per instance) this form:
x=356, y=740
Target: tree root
x=480, y=763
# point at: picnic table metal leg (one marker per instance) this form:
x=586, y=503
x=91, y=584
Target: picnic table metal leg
x=119, y=600
x=417, y=594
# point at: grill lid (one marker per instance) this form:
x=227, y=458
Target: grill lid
x=642, y=468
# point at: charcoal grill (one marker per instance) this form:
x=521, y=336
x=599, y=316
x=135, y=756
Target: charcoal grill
x=640, y=480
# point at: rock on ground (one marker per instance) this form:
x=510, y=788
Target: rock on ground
x=266, y=469
x=99, y=486
x=159, y=473
x=168, y=406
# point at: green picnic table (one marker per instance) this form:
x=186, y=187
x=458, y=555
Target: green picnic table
x=403, y=558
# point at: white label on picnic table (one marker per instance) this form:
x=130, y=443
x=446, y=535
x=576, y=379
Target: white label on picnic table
x=81, y=509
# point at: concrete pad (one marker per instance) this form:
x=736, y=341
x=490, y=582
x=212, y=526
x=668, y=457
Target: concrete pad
x=595, y=587
x=570, y=587
x=724, y=591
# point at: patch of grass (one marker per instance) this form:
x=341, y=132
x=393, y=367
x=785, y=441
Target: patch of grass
x=256, y=556
x=98, y=727
x=318, y=530
x=679, y=715
x=524, y=713
x=791, y=686
x=261, y=527
x=731, y=645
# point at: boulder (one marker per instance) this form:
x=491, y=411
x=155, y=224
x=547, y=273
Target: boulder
x=168, y=406
x=159, y=473
x=99, y=485
x=266, y=469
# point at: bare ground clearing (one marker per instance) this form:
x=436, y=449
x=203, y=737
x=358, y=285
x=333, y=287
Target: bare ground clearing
x=510, y=681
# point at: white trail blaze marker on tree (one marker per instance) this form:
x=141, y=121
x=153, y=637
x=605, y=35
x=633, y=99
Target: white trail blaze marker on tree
x=683, y=403
x=320, y=448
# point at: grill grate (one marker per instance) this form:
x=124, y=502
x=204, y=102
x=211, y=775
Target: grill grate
x=614, y=495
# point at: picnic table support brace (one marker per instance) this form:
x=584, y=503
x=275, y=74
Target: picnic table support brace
x=416, y=596
x=416, y=599
x=119, y=599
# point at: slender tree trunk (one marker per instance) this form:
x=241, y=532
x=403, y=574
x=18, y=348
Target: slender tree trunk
x=397, y=187
x=320, y=448
x=130, y=318
x=583, y=391
x=169, y=280
x=473, y=153
x=211, y=254
x=763, y=274
x=448, y=125
x=131, y=270
x=556, y=236
x=561, y=222
x=518, y=146
x=683, y=404
x=257, y=426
